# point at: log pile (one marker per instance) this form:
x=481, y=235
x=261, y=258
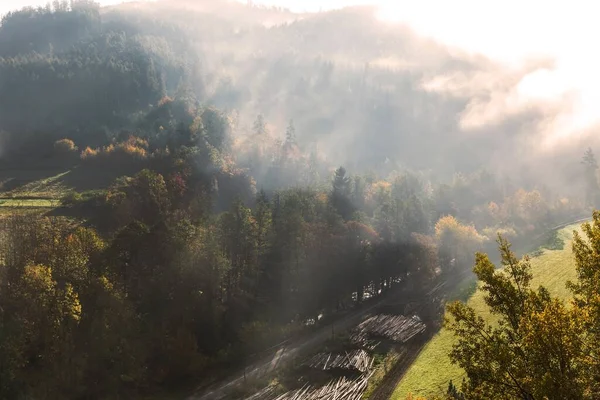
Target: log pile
x=358, y=360
x=393, y=327
x=339, y=389
x=266, y=393
x=362, y=340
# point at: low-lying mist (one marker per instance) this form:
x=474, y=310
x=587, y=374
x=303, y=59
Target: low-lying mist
x=372, y=96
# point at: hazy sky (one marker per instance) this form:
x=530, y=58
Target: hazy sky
x=8, y=5
x=512, y=31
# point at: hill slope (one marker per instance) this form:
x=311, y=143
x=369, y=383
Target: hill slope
x=432, y=370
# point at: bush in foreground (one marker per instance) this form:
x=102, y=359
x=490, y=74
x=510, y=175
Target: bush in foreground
x=540, y=347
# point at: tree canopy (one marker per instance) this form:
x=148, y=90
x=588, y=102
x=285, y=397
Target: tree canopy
x=539, y=347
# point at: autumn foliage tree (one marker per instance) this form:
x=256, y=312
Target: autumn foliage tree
x=65, y=147
x=457, y=242
x=539, y=347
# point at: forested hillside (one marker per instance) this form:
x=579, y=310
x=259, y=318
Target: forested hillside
x=362, y=94
x=220, y=220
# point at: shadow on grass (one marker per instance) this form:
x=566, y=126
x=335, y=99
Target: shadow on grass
x=83, y=178
x=464, y=289
x=554, y=241
x=550, y=241
x=12, y=179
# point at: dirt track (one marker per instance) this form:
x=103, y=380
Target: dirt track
x=283, y=354
x=392, y=378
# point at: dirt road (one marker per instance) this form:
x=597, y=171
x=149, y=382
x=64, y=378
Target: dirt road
x=387, y=386
x=285, y=353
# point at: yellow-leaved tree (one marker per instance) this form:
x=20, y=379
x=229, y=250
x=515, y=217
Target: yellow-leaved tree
x=456, y=242
x=539, y=347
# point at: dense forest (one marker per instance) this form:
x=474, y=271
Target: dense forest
x=212, y=216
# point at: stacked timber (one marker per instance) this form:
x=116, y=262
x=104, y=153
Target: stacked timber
x=393, y=327
x=266, y=393
x=338, y=389
x=358, y=360
x=362, y=340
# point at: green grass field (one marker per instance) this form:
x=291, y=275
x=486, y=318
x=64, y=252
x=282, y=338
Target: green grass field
x=31, y=189
x=29, y=203
x=41, y=188
x=40, y=182
x=432, y=370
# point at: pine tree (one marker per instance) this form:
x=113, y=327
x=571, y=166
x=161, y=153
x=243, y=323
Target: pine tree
x=591, y=169
x=260, y=126
x=341, y=194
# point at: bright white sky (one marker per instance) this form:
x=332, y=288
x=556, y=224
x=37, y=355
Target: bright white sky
x=510, y=30
x=9, y=5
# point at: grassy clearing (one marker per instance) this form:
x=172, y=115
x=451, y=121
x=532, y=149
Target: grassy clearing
x=10, y=211
x=32, y=189
x=552, y=267
x=51, y=187
x=383, y=364
x=38, y=182
x=29, y=203
x=33, y=182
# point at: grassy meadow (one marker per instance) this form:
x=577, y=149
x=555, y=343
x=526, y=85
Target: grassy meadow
x=432, y=370
x=43, y=187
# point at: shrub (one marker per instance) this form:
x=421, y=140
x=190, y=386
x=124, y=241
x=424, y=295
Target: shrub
x=65, y=150
x=89, y=154
x=165, y=100
x=71, y=199
x=132, y=150
x=65, y=146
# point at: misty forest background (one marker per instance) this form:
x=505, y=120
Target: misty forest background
x=208, y=216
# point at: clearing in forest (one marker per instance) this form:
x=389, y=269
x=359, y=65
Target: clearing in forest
x=432, y=370
x=32, y=188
